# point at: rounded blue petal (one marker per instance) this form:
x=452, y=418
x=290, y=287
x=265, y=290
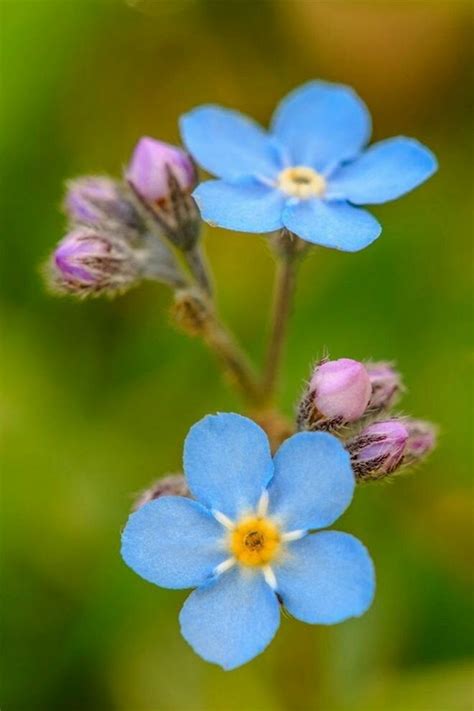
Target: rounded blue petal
x=332, y=224
x=231, y=620
x=326, y=578
x=173, y=542
x=313, y=482
x=228, y=463
x=322, y=124
x=384, y=172
x=228, y=144
x=245, y=206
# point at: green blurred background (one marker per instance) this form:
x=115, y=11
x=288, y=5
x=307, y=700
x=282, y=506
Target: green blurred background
x=97, y=397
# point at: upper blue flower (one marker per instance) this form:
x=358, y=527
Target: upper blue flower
x=245, y=538
x=307, y=173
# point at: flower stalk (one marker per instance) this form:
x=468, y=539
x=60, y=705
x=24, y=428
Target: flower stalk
x=234, y=360
x=288, y=249
x=197, y=264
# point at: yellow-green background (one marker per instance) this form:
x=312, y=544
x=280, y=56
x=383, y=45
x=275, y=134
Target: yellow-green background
x=97, y=397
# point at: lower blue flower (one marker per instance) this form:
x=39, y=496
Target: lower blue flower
x=247, y=541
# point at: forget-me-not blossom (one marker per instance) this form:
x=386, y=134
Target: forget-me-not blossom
x=309, y=174
x=244, y=541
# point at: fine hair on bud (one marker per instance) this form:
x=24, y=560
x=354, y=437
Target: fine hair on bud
x=90, y=262
x=171, y=485
x=379, y=449
x=422, y=437
x=99, y=201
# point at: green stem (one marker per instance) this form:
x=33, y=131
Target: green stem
x=235, y=361
x=195, y=313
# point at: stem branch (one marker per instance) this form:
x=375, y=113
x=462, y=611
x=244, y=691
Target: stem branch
x=196, y=315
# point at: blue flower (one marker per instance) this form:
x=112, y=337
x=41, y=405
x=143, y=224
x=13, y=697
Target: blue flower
x=245, y=538
x=308, y=174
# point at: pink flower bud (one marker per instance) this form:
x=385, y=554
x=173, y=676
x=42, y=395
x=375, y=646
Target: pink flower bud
x=341, y=389
x=149, y=168
x=379, y=449
x=89, y=262
x=386, y=385
x=90, y=199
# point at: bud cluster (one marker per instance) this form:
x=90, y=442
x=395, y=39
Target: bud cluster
x=354, y=401
x=119, y=231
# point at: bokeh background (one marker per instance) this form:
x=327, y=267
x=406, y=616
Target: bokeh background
x=97, y=397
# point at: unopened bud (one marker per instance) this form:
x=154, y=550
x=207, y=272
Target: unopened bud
x=161, y=178
x=379, y=449
x=338, y=393
x=386, y=386
x=421, y=440
x=94, y=200
x=172, y=485
x=89, y=262
x=151, y=165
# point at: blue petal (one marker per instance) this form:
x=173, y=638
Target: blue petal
x=384, y=172
x=173, y=542
x=332, y=224
x=322, y=124
x=231, y=620
x=247, y=206
x=326, y=578
x=228, y=144
x=227, y=462
x=313, y=481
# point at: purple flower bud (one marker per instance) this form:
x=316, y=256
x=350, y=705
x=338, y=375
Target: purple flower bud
x=341, y=389
x=172, y=485
x=90, y=262
x=386, y=385
x=151, y=163
x=421, y=440
x=90, y=198
x=379, y=449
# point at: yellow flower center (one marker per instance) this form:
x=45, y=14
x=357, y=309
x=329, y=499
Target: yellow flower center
x=255, y=541
x=301, y=182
